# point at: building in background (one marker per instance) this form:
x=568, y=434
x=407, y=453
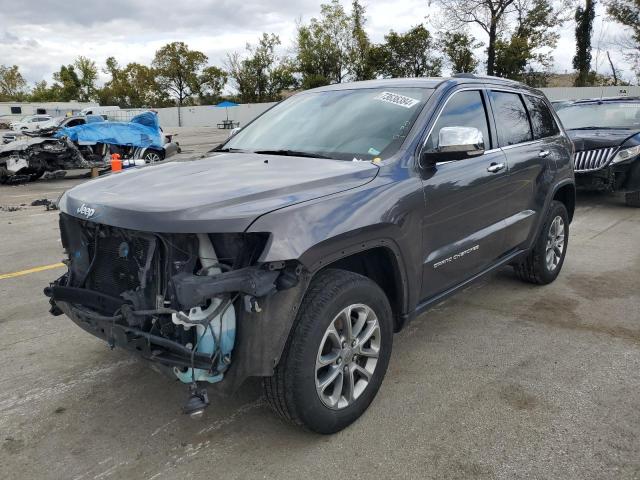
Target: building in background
x=55, y=109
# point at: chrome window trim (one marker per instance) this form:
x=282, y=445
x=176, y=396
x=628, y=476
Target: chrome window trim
x=493, y=150
x=523, y=144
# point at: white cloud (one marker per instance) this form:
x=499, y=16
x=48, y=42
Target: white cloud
x=40, y=36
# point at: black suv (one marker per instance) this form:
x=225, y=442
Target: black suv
x=298, y=248
x=606, y=135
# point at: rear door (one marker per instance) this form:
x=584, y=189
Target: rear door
x=528, y=134
x=527, y=157
x=464, y=216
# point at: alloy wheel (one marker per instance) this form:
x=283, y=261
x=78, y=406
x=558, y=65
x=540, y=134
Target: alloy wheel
x=555, y=243
x=347, y=356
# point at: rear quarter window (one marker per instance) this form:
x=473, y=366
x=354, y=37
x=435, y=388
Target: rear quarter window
x=542, y=121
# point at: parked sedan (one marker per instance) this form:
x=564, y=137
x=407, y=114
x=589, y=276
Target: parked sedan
x=30, y=122
x=606, y=136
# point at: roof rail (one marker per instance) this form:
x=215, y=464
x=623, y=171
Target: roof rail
x=464, y=75
x=481, y=77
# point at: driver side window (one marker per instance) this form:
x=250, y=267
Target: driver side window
x=464, y=109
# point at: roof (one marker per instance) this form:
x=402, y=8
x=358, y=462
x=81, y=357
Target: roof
x=420, y=82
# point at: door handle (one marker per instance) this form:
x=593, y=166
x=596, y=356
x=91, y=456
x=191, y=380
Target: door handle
x=495, y=167
x=544, y=153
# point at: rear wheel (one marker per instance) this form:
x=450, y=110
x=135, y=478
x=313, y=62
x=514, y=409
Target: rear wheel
x=544, y=262
x=336, y=355
x=632, y=199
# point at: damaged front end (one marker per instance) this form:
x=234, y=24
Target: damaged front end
x=172, y=298
x=28, y=159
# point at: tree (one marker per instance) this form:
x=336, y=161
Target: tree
x=41, y=92
x=526, y=51
x=458, y=49
x=584, y=26
x=627, y=13
x=88, y=74
x=67, y=84
x=262, y=75
x=177, y=72
x=359, y=65
x=133, y=86
x=323, y=47
x=410, y=54
x=494, y=17
x=488, y=14
x=211, y=82
x=614, y=70
x=12, y=83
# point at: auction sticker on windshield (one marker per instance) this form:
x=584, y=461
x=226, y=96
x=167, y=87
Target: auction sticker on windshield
x=397, y=99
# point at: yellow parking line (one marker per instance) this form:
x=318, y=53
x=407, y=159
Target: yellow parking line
x=31, y=270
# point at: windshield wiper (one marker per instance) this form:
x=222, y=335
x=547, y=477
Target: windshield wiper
x=228, y=150
x=290, y=153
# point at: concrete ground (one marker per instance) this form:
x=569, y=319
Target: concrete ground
x=505, y=380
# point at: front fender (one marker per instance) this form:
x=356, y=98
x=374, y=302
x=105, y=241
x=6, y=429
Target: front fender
x=387, y=212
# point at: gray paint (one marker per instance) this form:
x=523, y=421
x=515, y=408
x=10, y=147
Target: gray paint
x=318, y=210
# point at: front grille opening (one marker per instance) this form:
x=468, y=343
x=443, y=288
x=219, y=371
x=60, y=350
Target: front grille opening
x=589, y=160
x=117, y=263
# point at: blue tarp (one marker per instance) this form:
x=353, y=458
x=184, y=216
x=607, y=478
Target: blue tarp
x=142, y=131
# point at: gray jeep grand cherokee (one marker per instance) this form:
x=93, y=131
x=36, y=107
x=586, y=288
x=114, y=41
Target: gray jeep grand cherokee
x=298, y=247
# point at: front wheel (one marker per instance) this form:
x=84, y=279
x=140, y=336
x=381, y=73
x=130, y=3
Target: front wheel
x=544, y=262
x=337, y=353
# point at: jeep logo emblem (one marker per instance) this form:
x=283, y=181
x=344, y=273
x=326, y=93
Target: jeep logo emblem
x=85, y=211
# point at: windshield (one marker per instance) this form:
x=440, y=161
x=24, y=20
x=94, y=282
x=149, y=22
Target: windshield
x=357, y=124
x=601, y=115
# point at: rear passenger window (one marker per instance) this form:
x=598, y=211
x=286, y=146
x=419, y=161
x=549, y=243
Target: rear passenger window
x=511, y=118
x=542, y=121
x=464, y=109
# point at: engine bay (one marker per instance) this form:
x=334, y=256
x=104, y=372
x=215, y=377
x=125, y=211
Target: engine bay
x=172, y=298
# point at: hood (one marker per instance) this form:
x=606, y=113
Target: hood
x=24, y=144
x=604, y=138
x=221, y=193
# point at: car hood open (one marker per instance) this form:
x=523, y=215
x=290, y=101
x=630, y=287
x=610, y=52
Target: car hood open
x=223, y=193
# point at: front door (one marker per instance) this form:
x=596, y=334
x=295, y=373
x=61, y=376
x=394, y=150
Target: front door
x=463, y=222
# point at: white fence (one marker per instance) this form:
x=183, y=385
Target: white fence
x=211, y=116
x=576, y=93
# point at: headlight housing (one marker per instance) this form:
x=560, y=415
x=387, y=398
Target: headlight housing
x=626, y=154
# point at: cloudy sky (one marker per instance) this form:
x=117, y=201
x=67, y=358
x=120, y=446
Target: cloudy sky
x=39, y=36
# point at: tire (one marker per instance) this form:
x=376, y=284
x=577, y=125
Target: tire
x=536, y=268
x=35, y=175
x=152, y=156
x=632, y=199
x=292, y=390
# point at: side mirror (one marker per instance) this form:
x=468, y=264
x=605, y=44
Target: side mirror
x=233, y=132
x=454, y=143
